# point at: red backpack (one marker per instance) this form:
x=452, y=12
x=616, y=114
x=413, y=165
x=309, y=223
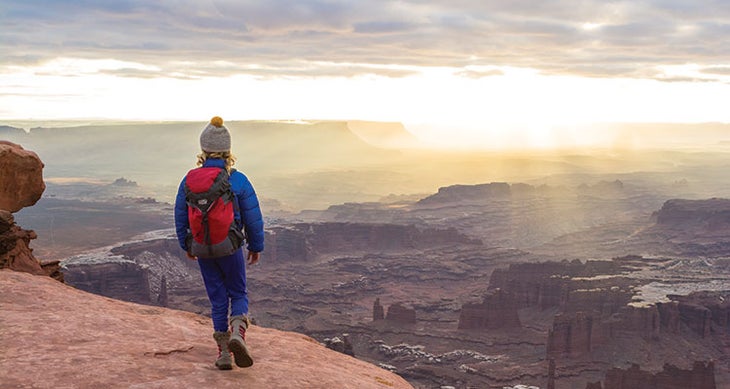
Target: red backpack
x=211, y=207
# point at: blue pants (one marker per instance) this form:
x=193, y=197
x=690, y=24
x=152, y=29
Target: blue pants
x=225, y=282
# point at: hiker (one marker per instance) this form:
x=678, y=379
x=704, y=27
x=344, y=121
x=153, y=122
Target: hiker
x=214, y=207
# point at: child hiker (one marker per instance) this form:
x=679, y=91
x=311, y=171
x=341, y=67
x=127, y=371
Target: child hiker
x=215, y=205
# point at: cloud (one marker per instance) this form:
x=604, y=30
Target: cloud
x=474, y=73
x=721, y=70
x=291, y=37
x=377, y=27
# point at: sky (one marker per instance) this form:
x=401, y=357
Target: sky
x=456, y=72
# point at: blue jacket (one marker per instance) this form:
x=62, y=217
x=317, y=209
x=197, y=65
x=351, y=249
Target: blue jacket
x=248, y=203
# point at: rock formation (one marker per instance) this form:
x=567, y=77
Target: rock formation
x=340, y=344
x=644, y=321
x=561, y=284
x=461, y=193
x=483, y=193
x=705, y=312
x=305, y=241
x=700, y=376
x=711, y=213
x=21, y=185
x=378, y=312
x=14, y=251
x=691, y=228
x=496, y=311
x=162, y=299
x=21, y=177
x=397, y=313
x=551, y=374
x=669, y=317
x=99, y=342
x=595, y=306
x=697, y=317
x=573, y=335
x=287, y=244
x=122, y=279
x=139, y=271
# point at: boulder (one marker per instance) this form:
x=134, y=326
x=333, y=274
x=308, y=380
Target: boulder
x=21, y=177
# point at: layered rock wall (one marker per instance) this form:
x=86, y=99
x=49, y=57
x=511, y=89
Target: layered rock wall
x=697, y=317
x=700, y=376
x=690, y=228
x=705, y=312
x=398, y=313
x=305, y=241
x=287, y=244
x=711, y=213
x=496, y=311
x=574, y=335
x=595, y=305
x=124, y=280
x=561, y=284
x=669, y=317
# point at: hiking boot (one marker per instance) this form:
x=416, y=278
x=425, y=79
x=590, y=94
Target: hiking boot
x=237, y=344
x=224, y=356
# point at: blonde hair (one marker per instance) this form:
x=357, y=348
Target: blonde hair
x=226, y=156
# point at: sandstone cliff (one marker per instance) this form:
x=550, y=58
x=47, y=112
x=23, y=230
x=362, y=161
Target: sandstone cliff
x=57, y=336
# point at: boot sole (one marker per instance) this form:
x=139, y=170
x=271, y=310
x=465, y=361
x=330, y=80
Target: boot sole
x=226, y=366
x=240, y=353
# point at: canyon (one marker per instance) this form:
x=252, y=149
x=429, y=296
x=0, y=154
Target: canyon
x=579, y=279
x=440, y=307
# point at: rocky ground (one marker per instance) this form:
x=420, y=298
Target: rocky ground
x=89, y=341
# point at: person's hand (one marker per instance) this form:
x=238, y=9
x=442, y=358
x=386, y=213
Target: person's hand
x=253, y=257
x=191, y=256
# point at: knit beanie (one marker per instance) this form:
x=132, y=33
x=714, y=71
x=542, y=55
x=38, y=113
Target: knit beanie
x=215, y=137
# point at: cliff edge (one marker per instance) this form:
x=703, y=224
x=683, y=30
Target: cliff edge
x=53, y=335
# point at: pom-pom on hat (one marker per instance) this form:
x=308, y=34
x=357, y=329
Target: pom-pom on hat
x=215, y=137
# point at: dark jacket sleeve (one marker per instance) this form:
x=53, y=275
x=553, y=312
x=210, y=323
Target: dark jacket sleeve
x=253, y=221
x=182, y=225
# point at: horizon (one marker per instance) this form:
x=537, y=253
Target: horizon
x=559, y=140
x=463, y=75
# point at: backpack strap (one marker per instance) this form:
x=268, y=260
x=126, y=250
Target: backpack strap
x=239, y=222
